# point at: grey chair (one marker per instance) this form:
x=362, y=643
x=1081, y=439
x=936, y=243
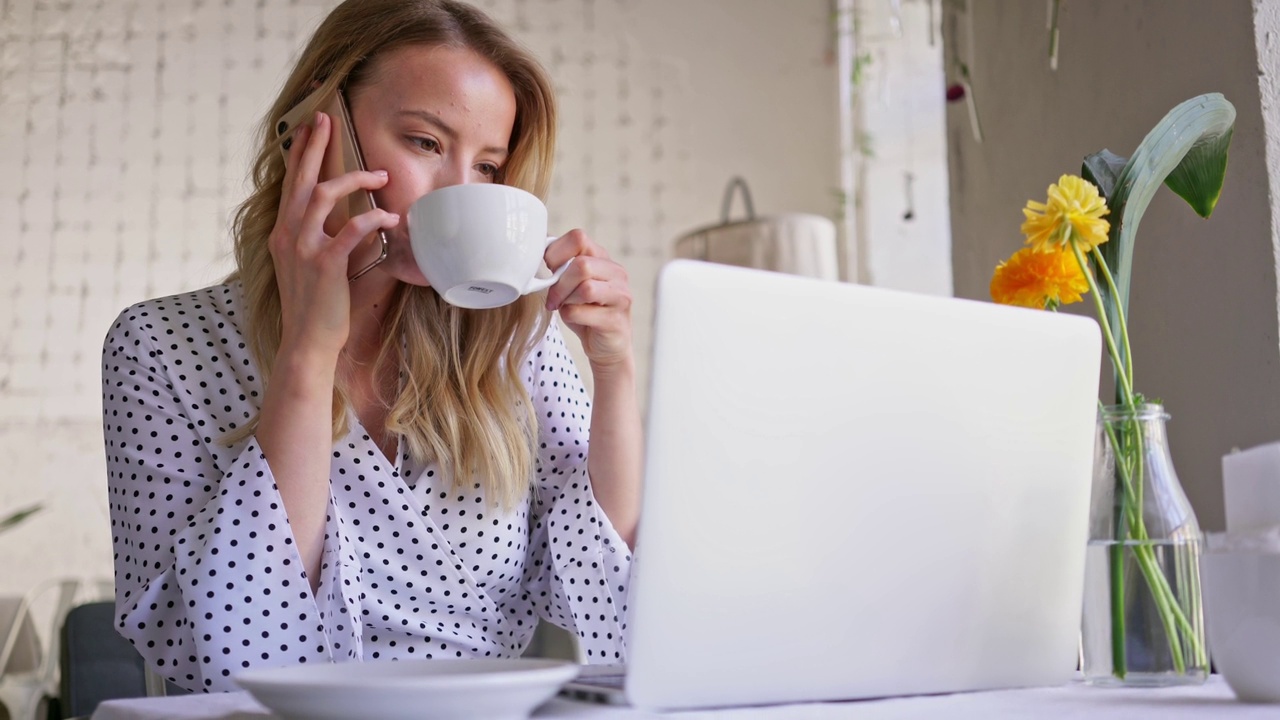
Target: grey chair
x=98, y=664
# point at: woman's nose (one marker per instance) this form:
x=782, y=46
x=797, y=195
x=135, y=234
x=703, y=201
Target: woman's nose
x=455, y=174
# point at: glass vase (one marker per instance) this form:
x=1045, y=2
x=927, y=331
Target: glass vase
x=1143, y=625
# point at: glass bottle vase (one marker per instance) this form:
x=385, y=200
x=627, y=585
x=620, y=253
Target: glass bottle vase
x=1143, y=624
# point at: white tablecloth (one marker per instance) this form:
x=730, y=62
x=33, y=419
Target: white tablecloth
x=1211, y=700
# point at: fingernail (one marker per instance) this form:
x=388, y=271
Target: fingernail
x=383, y=173
x=395, y=216
x=319, y=116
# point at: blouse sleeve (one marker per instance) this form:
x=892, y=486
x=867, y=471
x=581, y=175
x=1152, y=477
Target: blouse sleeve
x=578, y=568
x=208, y=579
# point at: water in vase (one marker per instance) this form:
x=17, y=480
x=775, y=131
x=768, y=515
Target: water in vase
x=1163, y=638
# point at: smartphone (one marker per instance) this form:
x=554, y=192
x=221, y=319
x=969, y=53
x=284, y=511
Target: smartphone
x=342, y=156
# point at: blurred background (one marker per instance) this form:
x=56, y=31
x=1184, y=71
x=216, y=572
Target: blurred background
x=127, y=126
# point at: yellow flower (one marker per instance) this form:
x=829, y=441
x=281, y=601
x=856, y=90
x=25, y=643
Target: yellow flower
x=1039, y=279
x=1073, y=213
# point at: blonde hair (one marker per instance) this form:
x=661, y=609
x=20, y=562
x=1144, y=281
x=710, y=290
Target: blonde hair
x=461, y=402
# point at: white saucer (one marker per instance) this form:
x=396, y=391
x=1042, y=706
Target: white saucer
x=501, y=689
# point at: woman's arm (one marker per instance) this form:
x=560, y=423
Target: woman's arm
x=208, y=579
x=594, y=300
x=578, y=568
x=614, y=461
x=295, y=427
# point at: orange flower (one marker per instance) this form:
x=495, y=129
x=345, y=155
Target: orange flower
x=1039, y=279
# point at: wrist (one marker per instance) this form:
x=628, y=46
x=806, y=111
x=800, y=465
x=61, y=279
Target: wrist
x=620, y=370
x=303, y=373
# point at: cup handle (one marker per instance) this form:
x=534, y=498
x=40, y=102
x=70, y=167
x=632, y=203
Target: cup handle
x=537, y=283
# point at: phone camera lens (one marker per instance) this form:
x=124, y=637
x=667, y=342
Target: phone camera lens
x=282, y=127
x=288, y=143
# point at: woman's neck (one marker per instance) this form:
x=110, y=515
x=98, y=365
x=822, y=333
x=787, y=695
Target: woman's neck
x=370, y=387
x=371, y=299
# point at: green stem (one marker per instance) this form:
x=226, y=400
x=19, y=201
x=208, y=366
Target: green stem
x=1130, y=466
x=1165, y=603
x=1120, y=320
x=1119, y=659
x=1126, y=386
x=1126, y=481
x=1171, y=613
x=1139, y=457
x=1162, y=589
x=1130, y=463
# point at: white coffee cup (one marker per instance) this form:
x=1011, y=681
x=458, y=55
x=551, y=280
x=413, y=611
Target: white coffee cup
x=481, y=245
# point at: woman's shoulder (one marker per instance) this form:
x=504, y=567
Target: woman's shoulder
x=192, y=339
x=214, y=304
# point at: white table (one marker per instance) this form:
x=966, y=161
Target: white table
x=1211, y=700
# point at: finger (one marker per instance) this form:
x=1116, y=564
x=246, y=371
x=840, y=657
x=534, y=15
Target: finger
x=290, y=211
x=603, y=320
x=574, y=243
x=600, y=293
x=313, y=153
x=583, y=269
x=308, y=164
x=360, y=227
x=298, y=143
x=326, y=195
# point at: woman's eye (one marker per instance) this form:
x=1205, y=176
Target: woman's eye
x=425, y=143
x=487, y=169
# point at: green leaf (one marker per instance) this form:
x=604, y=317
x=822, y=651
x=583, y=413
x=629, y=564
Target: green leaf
x=1103, y=170
x=1188, y=149
x=19, y=516
x=1198, y=178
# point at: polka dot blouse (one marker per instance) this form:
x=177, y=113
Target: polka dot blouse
x=209, y=583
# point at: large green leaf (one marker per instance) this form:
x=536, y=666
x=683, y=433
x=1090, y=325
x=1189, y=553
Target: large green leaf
x=1187, y=150
x=1103, y=169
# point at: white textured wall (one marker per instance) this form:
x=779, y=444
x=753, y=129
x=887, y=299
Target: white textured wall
x=124, y=127
x=1266, y=33
x=906, y=215
x=1203, y=316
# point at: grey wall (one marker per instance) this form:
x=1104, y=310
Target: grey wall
x=1203, y=317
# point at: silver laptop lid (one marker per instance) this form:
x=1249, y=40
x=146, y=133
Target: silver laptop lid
x=856, y=492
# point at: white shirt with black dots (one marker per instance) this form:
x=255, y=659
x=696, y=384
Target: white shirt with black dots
x=209, y=583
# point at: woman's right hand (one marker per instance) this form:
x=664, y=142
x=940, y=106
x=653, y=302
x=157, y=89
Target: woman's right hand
x=295, y=428
x=310, y=265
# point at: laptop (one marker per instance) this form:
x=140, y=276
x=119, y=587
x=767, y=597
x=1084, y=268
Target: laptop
x=853, y=492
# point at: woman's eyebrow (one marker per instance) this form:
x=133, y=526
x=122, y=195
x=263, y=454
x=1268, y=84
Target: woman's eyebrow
x=444, y=128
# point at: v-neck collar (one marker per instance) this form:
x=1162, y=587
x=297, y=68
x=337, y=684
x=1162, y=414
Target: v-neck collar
x=362, y=432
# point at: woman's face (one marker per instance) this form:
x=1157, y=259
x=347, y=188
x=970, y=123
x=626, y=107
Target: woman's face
x=431, y=116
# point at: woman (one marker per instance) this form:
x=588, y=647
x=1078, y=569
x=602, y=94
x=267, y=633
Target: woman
x=307, y=469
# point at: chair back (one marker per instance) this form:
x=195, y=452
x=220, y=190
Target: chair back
x=97, y=662
x=28, y=680
x=20, y=650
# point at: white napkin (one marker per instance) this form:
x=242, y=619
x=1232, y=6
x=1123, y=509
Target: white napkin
x=1251, y=488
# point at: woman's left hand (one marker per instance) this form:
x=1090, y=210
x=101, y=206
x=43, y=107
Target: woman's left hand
x=594, y=299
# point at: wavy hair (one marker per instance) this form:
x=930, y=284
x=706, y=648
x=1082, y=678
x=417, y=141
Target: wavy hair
x=461, y=402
